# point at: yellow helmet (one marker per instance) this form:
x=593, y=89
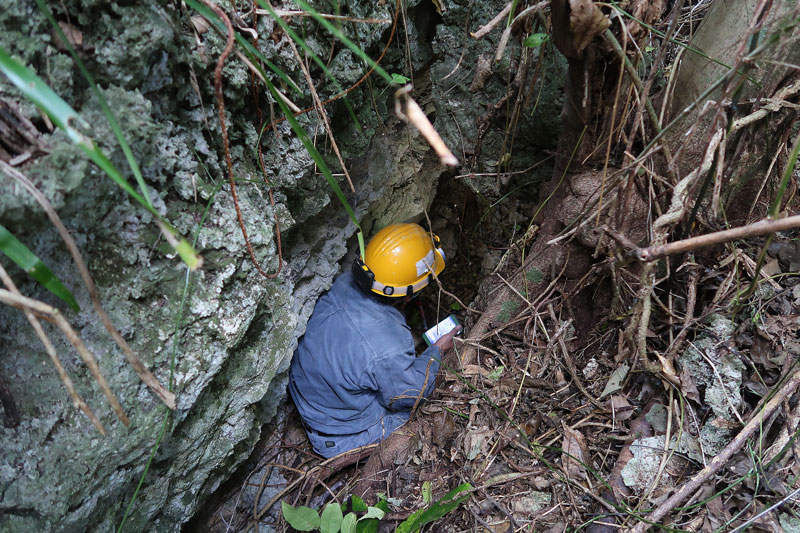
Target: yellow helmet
x=400, y=260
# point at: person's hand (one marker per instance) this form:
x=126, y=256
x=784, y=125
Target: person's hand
x=445, y=343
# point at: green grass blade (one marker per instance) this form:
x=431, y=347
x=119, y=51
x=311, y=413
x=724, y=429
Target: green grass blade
x=249, y=49
x=112, y=120
x=675, y=41
x=298, y=129
x=176, y=340
x=63, y=116
x=319, y=160
x=318, y=60
x=299, y=40
x=27, y=261
x=43, y=96
x=346, y=41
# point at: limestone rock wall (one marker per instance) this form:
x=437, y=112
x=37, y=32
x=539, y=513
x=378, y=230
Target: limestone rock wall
x=223, y=335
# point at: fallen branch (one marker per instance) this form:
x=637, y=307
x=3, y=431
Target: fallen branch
x=330, y=465
x=720, y=460
x=762, y=227
x=573, y=371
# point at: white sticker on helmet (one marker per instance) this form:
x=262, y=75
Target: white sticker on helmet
x=426, y=264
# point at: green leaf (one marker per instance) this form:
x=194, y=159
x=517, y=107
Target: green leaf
x=455, y=306
x=400, y=79
x=301, y=518
x=345, y=41
x=331, y=519
x=495, y=374
x=349, y=523
x=27, y=261
x=318, y=159
x=427, y=497
x=534, y=275
x=435, y=511
x=535, y=40
x=370, y=525
x=373, y=512
x=358, y=504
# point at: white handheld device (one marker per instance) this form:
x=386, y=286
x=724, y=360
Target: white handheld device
x=441, y=329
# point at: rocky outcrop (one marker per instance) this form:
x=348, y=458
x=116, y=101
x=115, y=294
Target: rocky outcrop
x=222, y=336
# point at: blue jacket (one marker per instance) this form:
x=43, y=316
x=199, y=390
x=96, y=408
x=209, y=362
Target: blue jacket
x=356, y=362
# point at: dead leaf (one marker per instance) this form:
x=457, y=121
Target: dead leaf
x=499, y=527
x=200, y=24
x=616, y=379
x=647, y=11
x=474, y=370
x=688, y=386
x=621, y=407
x=668, y=369
x=483, y=69
x=575, y=453
x=772, y=268
x=585, y=21
x=476, y=442
x=533, y=502
x=73, y=35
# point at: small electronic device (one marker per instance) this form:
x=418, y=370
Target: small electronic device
x=441, y=329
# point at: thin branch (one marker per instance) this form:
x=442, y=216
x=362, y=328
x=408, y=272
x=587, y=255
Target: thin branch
x=260, y=151
x=573, y=371
x=296, y=12
x=21, y=302
x=144, y=374
x=77, y=401
x=356, y=84
x=322, y=113
x=492, y=24
x=756, y=229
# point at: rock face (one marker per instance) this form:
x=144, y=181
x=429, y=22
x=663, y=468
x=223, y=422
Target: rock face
x=222, y=336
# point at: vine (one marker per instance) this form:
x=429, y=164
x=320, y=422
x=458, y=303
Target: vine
x=225, y=142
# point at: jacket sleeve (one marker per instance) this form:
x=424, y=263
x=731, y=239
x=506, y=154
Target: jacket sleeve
x=399, y=376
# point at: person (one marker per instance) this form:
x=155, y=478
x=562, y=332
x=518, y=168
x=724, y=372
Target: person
x=355, y=375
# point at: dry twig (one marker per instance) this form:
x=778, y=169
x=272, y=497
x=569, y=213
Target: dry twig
x=756, y=229
x=13, y=298
x=322, y=113
x=144, y=374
